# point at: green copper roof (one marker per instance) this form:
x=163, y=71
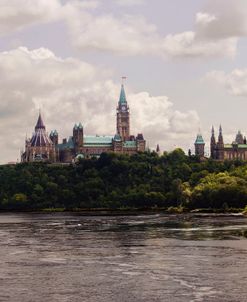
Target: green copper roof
x=239, y=146
x=122, y=98
x=199, y=140
x=98, y=140
x=129, y=144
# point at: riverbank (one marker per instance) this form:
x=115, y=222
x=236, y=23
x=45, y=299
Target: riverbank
x=130, y=211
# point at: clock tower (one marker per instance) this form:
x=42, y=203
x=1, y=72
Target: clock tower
x=123, y=121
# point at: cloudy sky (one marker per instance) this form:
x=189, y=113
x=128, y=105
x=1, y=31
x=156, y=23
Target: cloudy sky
x=185, y=63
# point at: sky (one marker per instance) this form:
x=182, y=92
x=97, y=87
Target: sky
x=185, y=63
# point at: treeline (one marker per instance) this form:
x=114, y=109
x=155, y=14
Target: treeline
x=113, y=181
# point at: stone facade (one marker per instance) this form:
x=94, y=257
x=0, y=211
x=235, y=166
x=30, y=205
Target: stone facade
x=221, y=151
x=40, y=147
x=199, y=146
x=80, y=145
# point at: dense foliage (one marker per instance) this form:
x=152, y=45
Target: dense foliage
x=143, y=180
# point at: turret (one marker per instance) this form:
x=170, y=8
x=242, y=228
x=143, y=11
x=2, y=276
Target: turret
x=117, y=143
x=239, y=138
x=54, y=137
x=199, y=145
x=140, y=143
x=78, y=136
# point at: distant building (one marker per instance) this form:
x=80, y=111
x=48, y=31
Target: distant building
x=221, y=151
x=158, y=149
x=199, y=146
x=44, y=147
x=40, y=147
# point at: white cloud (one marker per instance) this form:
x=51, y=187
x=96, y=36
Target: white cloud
x=129, y=2
x=215, y=34
x=134, y=35
x=128, y=35
x=17, y=14
x=188, y=44
x=204, y=18
x=160, y=122
x=235, y=82
x=69, y=91
x=228, y=19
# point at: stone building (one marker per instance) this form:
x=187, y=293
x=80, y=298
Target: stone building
x=80, y=145
x=199, y=145
x=40, y=147
x=221, y=151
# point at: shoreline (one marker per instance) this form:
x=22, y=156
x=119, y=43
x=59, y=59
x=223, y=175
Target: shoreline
x=130, y=212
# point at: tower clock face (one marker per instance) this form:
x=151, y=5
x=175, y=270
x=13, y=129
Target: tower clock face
x=124, y=108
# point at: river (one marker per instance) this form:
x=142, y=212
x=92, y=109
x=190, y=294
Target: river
x=156, y=257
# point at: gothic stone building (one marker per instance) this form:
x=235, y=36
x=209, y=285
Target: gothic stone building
x=47, y=148
x=199, y=146
x=221, y=151
x=40, y=147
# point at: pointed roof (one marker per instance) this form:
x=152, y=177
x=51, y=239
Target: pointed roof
x=199, y=139
x=40, y=124
x=239, y=138
x=80, y=126
x=122, y=98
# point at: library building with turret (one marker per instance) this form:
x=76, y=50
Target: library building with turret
x=44, y=147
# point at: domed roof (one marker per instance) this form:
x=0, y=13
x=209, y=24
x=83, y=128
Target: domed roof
x=40, y=138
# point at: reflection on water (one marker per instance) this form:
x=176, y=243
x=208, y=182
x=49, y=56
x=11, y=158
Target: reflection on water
x=70, y=257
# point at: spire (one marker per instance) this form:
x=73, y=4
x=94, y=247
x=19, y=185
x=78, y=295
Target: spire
x=40, y=124
x=220, y=138
x=212, y=131
x=122, y=98
x=158, y=148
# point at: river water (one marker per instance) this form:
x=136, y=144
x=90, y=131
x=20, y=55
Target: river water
x=74, y=257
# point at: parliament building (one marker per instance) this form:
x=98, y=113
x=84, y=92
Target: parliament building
x=221, y=151
x=45, y=147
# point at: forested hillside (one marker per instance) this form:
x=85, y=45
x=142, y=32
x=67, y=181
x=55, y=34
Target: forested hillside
x=145, y=180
